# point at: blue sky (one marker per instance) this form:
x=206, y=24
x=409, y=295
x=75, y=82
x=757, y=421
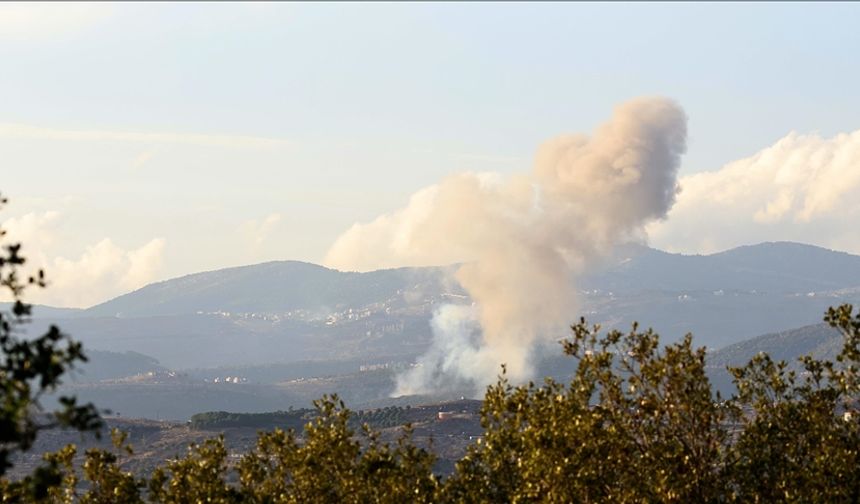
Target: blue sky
x=126, y=122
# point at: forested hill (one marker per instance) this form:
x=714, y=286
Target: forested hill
x=819, y=340
x=278, y=287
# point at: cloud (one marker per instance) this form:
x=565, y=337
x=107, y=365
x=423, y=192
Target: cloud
x=256, y=231
x=802, y=188
x=29, y=132
x=33, y=229
x=102, y=271
x=33, y=20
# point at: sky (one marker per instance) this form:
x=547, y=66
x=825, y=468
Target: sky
x=140, y=142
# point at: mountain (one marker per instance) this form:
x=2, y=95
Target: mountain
x=276, y=287
x=721, y=298
x=273, y=287
x=819, y=340
x=229, y=339
x=291, y=331
x=102, y=365
x=42, y=311
x=288, y=311
x=774, y=267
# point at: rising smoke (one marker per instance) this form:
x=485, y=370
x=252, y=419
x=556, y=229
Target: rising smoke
x=522, y=240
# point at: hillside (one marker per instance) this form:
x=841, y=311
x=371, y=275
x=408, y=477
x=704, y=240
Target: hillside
x=273, y=287
x=42, y=311
x=157, y=441
x=780, y=267
x=281, y=286
x=102, y=365
x=820, y=340
x=288, y=312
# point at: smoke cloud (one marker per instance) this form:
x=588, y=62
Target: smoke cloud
x=522, y=239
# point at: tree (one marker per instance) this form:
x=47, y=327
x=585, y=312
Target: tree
x=641, y=424
x=633, y=425
x=801, y=438
x=329, y=464
x=30, y=368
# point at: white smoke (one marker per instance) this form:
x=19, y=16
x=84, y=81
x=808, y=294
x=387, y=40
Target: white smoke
x=522, y=239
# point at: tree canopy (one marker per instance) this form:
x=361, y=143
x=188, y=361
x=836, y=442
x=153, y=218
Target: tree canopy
x=29, y=368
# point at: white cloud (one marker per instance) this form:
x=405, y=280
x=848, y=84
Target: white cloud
x=102, y=271
x=30, y=132
x=256, y=231
x=32, y=229
x=803, y=188
x=33, y=20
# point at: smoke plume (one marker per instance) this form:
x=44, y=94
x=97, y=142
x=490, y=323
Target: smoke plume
x=522, y=239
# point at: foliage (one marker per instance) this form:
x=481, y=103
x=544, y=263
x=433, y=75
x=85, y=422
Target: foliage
x=636, y=423
x=802, y=439
x=29, y=368
x=389, y=416
x=640, y=425
x=223, y=419
x=330, y=465
x=633, y=425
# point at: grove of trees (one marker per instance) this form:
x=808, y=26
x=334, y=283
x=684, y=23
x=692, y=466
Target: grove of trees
x=638, y=422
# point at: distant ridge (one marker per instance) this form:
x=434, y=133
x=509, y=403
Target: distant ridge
x=43, y=311
x=276, y=286
x=819, y=340
x=290, y=320
x=774, y=267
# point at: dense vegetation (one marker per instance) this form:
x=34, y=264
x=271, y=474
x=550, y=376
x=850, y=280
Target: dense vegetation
x=293, y=419
x=390, y=416
x=637, y=422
